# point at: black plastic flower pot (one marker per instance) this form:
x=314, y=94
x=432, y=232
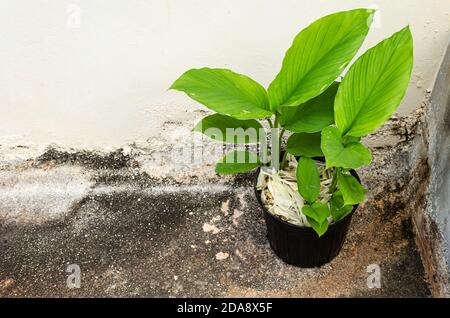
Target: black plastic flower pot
x=301, y=246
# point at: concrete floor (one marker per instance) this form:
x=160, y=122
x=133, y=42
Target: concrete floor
x=134, y=234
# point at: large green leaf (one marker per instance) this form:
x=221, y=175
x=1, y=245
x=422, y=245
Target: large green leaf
x=305, y=145
x=237, y=162
x=318, y=56
x=352, y=191
x=229, y=129
x=337, y=207
x=308, y=179
x=312, y=116
x=352, y=155
x=225, y=92
x=375, y=85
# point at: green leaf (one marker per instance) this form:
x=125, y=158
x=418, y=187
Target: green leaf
x=225, y=92
x=317, y=215
x=237, y=162
x=375, y=85
x=303, y=144
x=318, y=56
x=308, y=179
x=229, y=129
x=312, y=116
x=320, y=228
x=352, y=191
x=350, y=156
x=337, y=207
x=318, y=211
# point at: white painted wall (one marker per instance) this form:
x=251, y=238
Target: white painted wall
x=104, y=83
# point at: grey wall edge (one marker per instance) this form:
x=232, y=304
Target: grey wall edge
x=430, y=209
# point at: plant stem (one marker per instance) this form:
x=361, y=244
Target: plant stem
x=270, y=122
x=283, y=162
x=276, y=144
x=281, y=138
x=334, y=181
x=280, y=143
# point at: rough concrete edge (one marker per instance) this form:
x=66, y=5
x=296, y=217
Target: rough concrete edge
x=426, y=231
x=428, y=237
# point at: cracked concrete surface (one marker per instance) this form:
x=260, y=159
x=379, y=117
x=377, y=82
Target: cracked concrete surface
x=139, y=229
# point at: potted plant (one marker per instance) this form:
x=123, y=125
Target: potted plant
x=309, y=190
